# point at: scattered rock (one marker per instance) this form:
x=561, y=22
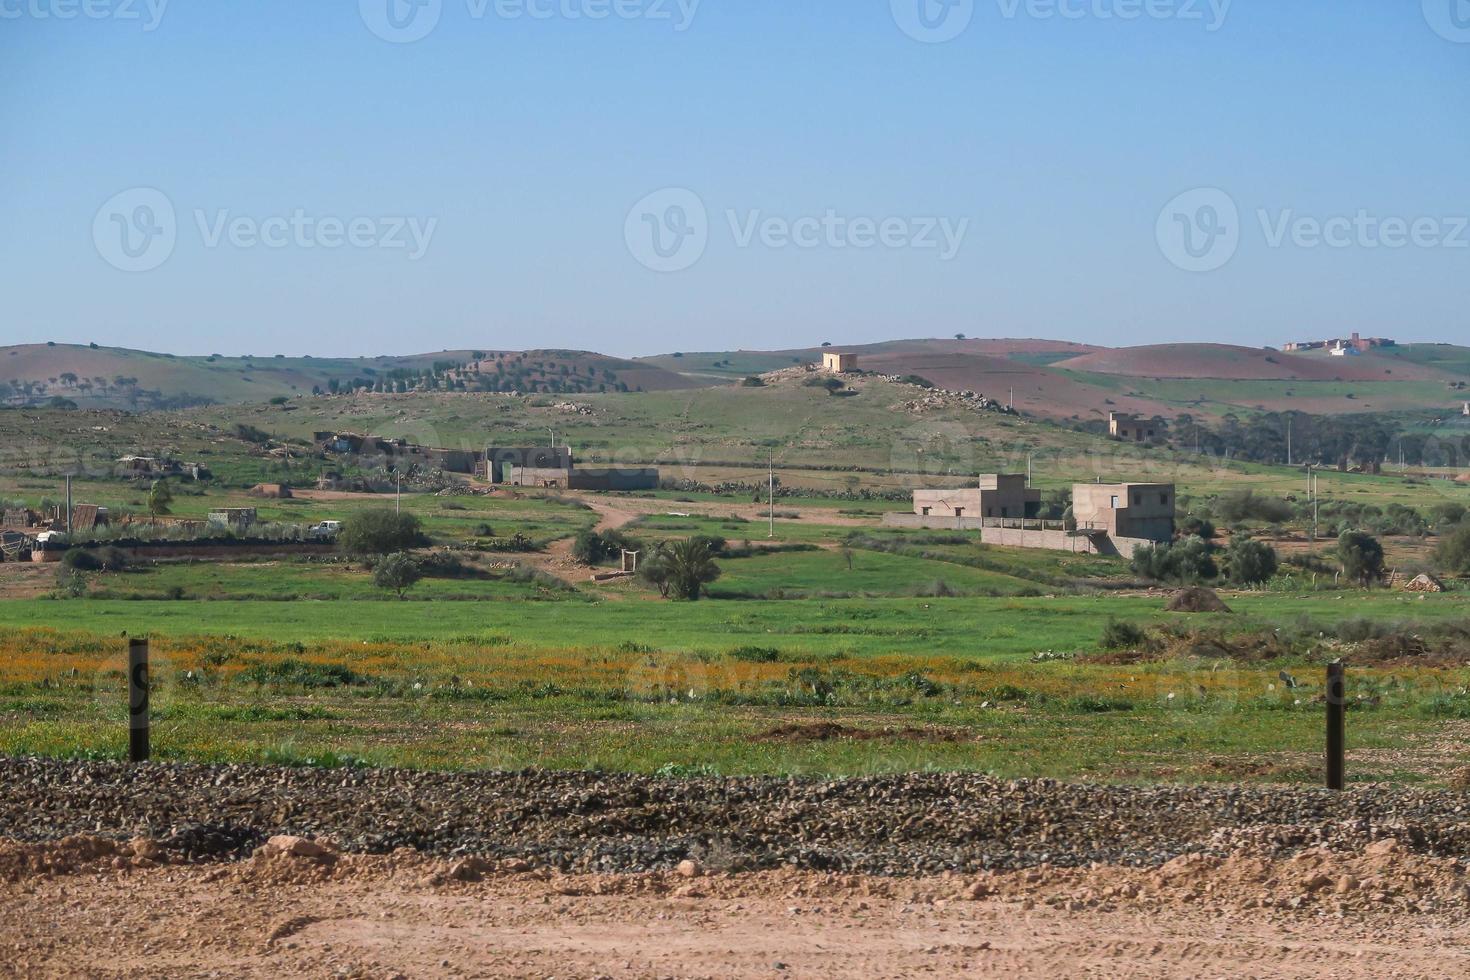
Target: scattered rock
x=299, y=847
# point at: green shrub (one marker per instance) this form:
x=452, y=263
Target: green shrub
x=755, y=655
x=1361, y=555
x=380, y=532
x=1121, y=635
x=301, y=673
x=397, y=573
x=1187, y=561
x=1250, y=562
x=1453, y=552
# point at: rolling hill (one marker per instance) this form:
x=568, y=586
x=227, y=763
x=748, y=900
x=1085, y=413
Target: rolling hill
x=1058, y=380
x=1222, y=361
x=113, y=377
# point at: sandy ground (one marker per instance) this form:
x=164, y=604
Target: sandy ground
x=284, y=915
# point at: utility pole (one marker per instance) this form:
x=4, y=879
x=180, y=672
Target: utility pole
x=398, y=494
x=68, y=505
x=771, y=498
x=1288, y=440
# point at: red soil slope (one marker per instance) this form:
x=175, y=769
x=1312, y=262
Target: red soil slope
x=1038, y=390
x=1222, y=361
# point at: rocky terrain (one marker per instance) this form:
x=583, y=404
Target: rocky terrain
x=911, y=824
x=271, y=872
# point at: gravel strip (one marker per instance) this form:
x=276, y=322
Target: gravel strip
x=588, y=822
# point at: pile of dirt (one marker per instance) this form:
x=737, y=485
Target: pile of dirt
x=71, y=855
x=1383, y=876
x=1197, y=600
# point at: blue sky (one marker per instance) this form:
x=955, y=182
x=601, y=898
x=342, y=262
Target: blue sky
x=840, y=173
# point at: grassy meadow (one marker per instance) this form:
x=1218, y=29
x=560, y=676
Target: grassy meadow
x=1018, y=687
x=831, y=646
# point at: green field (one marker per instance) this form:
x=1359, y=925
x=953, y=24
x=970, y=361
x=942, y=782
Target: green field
x=934, y=683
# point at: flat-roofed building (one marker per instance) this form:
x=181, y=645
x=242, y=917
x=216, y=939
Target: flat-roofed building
x=997, y=495
x=838, y=363
x=1126, y=510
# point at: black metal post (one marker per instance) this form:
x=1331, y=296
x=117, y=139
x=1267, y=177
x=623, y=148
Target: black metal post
x=1336, y=726
x=137, y=700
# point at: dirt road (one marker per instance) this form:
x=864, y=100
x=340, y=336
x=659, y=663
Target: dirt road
x=403, y=915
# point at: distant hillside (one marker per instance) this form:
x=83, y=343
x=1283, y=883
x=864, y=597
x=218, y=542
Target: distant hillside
x=733, y=365
x=1077, y=382
x=111, y=377
x=1218, y=361
x=1059, y=380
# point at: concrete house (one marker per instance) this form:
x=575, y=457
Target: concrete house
x=1131, y=428
x=1139, y=511
x=554, y=468
x=998, y=495
x=1110, y=519
x=838, y=363
x=500, y=461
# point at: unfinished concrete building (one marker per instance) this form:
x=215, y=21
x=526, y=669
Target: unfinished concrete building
x=1142, y=512
x=555, y=468
x=1109, y=519
x=1002, y=495
x=501, y=461
x=398, y=454
x=1132, y=428
x=838, y=363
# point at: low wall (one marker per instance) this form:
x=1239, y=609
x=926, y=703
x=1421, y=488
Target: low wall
x=274, y=549
x=640, y=479
x=1015, y=537
x=933, y=523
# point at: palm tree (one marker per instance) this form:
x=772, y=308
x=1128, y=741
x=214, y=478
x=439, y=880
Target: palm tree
x=691, y=566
